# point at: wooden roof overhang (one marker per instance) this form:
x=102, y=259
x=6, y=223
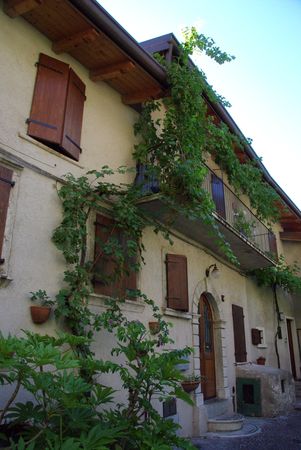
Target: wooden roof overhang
x=83, y=29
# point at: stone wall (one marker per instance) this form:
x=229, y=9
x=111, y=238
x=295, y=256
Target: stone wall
x=277, y=387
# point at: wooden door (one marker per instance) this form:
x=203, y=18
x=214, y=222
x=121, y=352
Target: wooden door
x=291, y=347
x=218, y=195
x=207, y=349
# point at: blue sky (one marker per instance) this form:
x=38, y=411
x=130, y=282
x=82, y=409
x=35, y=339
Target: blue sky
x=263, y=83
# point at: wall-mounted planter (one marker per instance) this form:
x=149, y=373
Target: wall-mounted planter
x=154, y=327
x=189, y=386
x=261, y=360
x=40, y=314
x=182, y=367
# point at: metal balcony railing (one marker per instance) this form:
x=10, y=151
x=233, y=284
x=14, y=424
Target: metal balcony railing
x=231, y=209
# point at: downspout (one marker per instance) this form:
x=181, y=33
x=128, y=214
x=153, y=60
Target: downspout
x=278, y=332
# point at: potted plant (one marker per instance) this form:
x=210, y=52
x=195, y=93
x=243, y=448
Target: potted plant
x=261, y=360
x=154, y=327
x=190, y=383
x=243, y=225
x=40, y=313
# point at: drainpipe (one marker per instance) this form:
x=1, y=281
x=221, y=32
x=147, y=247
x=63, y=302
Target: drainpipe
x=278, y=332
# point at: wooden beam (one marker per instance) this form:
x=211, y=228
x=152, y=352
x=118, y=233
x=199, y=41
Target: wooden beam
x=112, y=71
x=142, y=96
x=70, y=42
x=15, y=8
x=290, y=236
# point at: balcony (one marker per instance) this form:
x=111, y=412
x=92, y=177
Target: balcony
x=251, y=241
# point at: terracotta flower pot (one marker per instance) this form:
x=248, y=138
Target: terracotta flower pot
x=260, y=361
x=154, y=327
x=189, y=386
x=40, y=314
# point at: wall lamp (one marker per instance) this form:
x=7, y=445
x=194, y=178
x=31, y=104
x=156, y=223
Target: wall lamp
x=214, y=272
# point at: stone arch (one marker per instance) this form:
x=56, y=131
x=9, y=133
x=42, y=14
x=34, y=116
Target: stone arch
x=219, y=332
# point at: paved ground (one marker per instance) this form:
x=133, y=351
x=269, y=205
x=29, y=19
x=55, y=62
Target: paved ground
x=280, y=433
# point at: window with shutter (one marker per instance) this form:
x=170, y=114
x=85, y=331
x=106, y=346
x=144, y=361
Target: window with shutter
x=218, y=196
x=177, y=282
x=239, y=334
x=105, y=280
x=57, y=107
x=6, y=184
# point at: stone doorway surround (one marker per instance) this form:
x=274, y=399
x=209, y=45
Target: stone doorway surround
x=219, y=334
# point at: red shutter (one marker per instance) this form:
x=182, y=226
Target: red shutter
x=239, y=334
x=177, y=283
x=6, y=176
x=218, y=197
x=73, y=116
x=48, y=106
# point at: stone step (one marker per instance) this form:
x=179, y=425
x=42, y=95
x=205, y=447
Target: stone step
x=217, y=407
x=226, y=422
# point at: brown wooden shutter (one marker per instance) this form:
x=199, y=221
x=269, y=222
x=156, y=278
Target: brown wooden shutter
x=6, y=176
x=218, y=196
x=239, y=334
x=73, y=116
x=273, y=244
x=177, y=282
x=105, y=265
x=48, y=106
x=130, y=280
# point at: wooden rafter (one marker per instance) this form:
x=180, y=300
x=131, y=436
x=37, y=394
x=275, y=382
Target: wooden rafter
x=290, y=235
x=70, y=42
x=112, y=71
x=142, y=96
x=15, y=8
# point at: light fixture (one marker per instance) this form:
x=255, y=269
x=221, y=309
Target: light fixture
x=214, y=272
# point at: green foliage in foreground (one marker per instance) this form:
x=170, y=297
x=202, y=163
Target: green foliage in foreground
x=63, y=410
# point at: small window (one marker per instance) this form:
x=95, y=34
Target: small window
x=177, y=282
x=57, y=107
x=170, y=407
x=256, y=336
x=105, y=280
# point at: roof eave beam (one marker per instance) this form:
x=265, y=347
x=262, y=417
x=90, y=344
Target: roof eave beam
x=15, y=8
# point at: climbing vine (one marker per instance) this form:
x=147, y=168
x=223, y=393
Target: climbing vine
x=281, y=275
x=284, y=276
x=174, y=147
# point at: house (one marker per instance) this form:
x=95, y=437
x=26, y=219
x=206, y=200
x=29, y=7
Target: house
x=96, y=77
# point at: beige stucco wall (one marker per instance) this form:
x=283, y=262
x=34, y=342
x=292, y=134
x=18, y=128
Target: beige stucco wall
x=32, y=261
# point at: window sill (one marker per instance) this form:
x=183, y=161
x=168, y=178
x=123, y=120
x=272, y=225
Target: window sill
x=49, y=149
x=4, y=280
x=128, y=306
x=262, y=346
x=179, y=314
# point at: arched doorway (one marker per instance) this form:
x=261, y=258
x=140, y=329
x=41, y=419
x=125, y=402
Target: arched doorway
x=207, y=355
